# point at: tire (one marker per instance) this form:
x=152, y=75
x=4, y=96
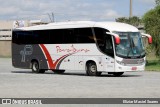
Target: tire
x=91, y=69
x=35, y=68
x=118, y=74
x=58, y=71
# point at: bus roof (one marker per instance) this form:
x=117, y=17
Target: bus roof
x=111, y=26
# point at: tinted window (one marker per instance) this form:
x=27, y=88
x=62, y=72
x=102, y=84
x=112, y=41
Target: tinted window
x=69, y=36
x=29, y=37
x=84, y=35
x=57, y=36
x=40, y=37
x=20, y=37
x=104, y=41
x=78, y=35
x=14, y=37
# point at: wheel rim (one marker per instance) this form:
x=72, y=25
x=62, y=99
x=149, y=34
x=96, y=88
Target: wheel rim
x=93, y=68
x=35, y=66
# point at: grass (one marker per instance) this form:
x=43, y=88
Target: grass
x=153, y=62
x=153, y=65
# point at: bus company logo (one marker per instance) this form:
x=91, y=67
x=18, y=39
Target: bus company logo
x=6, y=101
x=28, y=50
x=72, y=49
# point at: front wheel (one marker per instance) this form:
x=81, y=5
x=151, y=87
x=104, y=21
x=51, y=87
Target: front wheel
x=91, y=69
x=35, y=68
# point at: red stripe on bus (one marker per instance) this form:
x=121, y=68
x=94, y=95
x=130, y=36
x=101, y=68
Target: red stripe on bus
x=60, y=59
x=50, y=61
x=49, y=58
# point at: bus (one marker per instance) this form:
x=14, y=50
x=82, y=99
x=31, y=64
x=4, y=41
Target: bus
x=94, y=47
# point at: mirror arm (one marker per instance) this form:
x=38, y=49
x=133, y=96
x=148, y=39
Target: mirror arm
x=148, y=36
x=116, y=37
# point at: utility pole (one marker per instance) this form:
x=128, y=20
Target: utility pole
x=53, y=19
x=130, y=8
x=49, y=17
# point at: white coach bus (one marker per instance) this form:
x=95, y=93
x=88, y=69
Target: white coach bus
x=95, y=47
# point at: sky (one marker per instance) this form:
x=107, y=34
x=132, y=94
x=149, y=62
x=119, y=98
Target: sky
x=77, y=10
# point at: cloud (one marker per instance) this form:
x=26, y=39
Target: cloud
x=63, y=9
x=8, y=10
x=112, y=14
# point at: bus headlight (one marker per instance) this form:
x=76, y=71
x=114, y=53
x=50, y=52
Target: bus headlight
x=121, y=63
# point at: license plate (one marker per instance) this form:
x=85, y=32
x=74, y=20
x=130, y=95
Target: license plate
x=134, y=68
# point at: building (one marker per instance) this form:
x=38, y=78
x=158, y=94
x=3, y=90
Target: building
x=6, y=28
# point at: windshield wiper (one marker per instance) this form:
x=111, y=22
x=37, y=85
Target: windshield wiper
x=130, y=44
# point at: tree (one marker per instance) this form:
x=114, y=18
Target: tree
x=151, y=22
x=135, y=21
x=122, y=19
x=157, y=2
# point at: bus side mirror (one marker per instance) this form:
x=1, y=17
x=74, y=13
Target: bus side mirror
x=148, y=36
x=116, y=37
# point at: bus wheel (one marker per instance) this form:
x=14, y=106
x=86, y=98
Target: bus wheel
x=58, y=71
x=35, y=68
x=118, y=74
x=91, y=69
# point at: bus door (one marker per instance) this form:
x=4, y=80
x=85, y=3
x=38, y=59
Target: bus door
x=109, y=51
x=105, y=44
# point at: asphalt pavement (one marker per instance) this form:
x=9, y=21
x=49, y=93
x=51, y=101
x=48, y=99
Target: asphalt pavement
x=21, y=83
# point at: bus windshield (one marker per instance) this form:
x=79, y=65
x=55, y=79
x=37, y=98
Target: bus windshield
x=131, y=45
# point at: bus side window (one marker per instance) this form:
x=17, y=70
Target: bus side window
x=104, y=41
x=100, y=38
x=56, y=36
x=40, y=37
x=69, y=36
x=84, y=35
x=29, y=37
x=20, y=38
x=109, y=45
x=15, y=37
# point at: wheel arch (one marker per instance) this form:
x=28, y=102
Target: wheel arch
x=33, y=60
x=91, y=60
